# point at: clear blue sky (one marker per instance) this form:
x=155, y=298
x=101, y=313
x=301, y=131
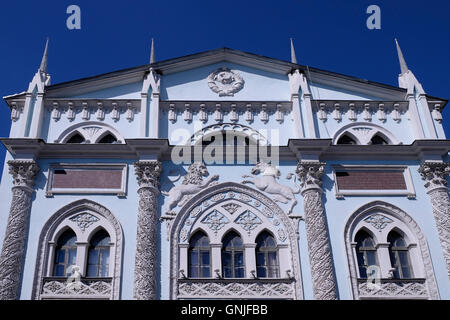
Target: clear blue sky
x=328, y=34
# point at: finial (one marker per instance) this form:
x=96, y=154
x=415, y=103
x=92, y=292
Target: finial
x=152, y=53
x=44, y=62
x=401, y=59
x=293, y=57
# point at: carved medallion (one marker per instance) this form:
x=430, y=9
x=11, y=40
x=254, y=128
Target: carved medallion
x=84, y=220
x=215, y=221
x=378, y=221
x=225, y=82
x=248, y=221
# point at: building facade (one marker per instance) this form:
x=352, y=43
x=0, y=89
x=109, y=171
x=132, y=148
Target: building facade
x=221, y=175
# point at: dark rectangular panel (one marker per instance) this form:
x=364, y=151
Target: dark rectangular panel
x=87, y=179
x=370, y=180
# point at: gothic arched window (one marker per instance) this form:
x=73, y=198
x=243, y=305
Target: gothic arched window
x=108, y=138
x=398, y=252
x=233, y=264
x=76, y=138
x=366, y=253
x=65, y=253
x=98, y=256
x=266, y=256
x=199, y=256
x=376, y=139
x=345, y=139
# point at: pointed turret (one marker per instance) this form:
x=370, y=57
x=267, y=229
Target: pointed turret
x=401, y=59
x=152, y=53
x=293, y=57
x=44, y=62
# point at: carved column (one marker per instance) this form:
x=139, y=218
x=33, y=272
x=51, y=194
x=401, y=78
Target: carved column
x=310, y=174
x=145, y=267
x=434, y=174
x=13, y=250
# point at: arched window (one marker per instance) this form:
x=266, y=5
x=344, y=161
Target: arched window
x=366, y=253
x=345, y=139
x=398, y=252
x=98, y=256
x=65, y=253
x=266, y=256
x=76, y=138
x=233, y=265
x=199, y=256
x=108, y=138
x=376, y=139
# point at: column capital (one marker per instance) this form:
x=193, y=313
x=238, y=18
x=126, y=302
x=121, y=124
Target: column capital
x=434, y=174
x=148, y=173
x=310, y=175
x=23, y=172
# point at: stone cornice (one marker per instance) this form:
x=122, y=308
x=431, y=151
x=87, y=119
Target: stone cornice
x=316, y=149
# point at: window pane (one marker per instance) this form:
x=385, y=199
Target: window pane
x=72, y=257
x=92, y=271
x=205, y=258
x=362, y=272
x=104, y=271
x=261, y=272
x=60, y=256
x=93, y=256
x=239, y=273
x=226, y=259
x=273, y=272
x=260, y=259
x=104, y=261
x=193, y=272
x=371, y=258
x=403, y=258
x=193, y=258
x=227, y=272
x=272, y=258
x=59, y=270
x=406, y=273
x=239, y=259
x=205, y=272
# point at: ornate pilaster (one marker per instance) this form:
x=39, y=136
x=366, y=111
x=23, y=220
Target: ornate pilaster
x=13, y=250
x=310, y=175
x=434, y=174
x=145, y=268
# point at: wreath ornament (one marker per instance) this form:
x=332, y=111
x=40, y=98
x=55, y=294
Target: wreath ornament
x=225, y=82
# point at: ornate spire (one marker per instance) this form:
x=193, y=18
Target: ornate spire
x=44, y=62
x=152, y=53
x=293, y=57
x=401, y=59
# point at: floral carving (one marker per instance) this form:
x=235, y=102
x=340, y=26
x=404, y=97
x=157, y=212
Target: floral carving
x=84, y=220
x=215, y=221
x=225, y=82
x=378, y=221
x=310, y=174
x=248, y=221
x=231, y=207
x=434, y=174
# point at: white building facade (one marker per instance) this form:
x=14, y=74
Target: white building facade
x=225, y=175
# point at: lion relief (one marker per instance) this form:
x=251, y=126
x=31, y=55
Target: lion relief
x=192, y=183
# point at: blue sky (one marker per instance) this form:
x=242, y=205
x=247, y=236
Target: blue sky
x=328, y=34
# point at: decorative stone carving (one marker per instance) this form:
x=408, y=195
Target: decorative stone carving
x=378, y=221
x=434, y=174
x=215, y=221
x=322, y=271
x=225, y=82
x=231, y=207
x=84, y=220
x=13, y=250
x=248, y=221
x=145, y=270
x=235, y=288
x=192, y=183
x=88, y=288
x=405, y=289
x=268, y=183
